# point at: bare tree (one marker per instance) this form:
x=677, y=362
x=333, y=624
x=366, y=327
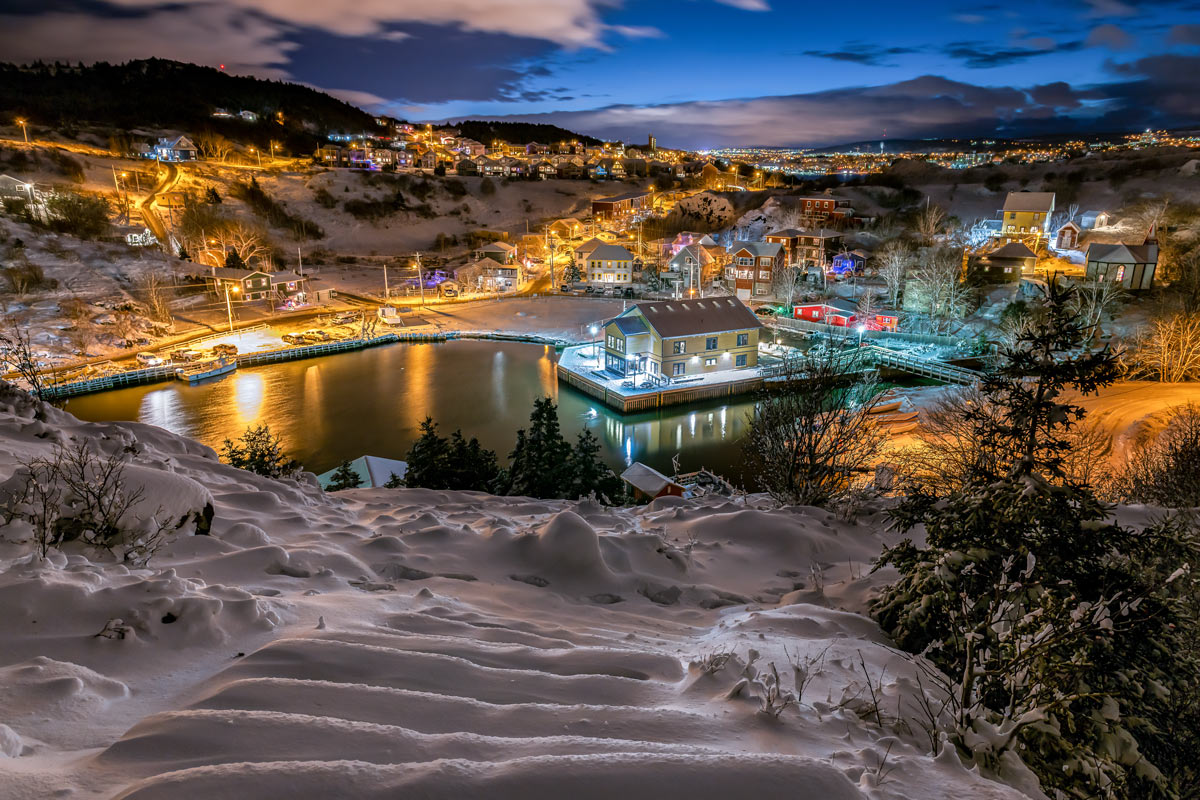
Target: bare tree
x=866, y=305
x=811, y=430
x=938, y=282
x=786, y=281
x=1168, y=349
x=894, y=260
x=249, y=241
x=125, y=325
x=1166, y=470
x=157, y=295
x=929, y=222
x=16, y=353
x=1093, y=299
x=214, y=146
x=38, y=500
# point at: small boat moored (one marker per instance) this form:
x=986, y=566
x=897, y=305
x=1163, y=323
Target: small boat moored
x=209, y=369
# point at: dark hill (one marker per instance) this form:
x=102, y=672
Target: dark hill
x=487, y=131
x=155, y=93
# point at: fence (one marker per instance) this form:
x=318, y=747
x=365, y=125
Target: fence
x=788, y=323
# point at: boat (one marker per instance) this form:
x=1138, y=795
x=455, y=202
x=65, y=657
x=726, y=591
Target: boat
x=209, y=369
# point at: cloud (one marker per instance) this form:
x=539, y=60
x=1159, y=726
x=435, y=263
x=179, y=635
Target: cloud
x=969, y=19
x=1110, y=8
x=1109, y=36
x=861, y=53
x=1184, y=34
x=1156, y=91
x=981, y=55
x=747, y=5
x=244, y=43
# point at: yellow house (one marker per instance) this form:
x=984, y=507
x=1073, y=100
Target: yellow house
x=678, y=338
x=1027, y=215
x=610, y=264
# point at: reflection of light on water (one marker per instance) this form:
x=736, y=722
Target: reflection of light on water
x=723, y=410
x=692, y=424
x=161, y=407
x=248, y=393
x=628, y=452
x=679, y=436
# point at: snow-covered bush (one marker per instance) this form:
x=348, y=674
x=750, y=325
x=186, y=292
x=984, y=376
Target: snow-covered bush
x=1166, y=471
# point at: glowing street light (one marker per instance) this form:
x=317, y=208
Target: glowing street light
x=24, y=128
x=861, y=330
x=259, y=154
x=228, y=304
x=595, y=343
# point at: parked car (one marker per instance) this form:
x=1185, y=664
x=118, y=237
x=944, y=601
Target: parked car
x=564, y=288
x=765, y=311
x=317, y=334
x=629, y=291
x=184, y=356
x=345, y=318
x=448, y=292
x=293, y=338
x=225, y=350
x=149, y=359
x=589, y=290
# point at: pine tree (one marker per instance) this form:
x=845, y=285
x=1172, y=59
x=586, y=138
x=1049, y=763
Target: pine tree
x=261, y=453
x=573, y=275
x=541, y=459
x=471, y=467
x=234, y=261
x=428, y=459
x=344, y=478
x=212, y=197
x=1049, y=619
x=590, y=474
x=394, y=481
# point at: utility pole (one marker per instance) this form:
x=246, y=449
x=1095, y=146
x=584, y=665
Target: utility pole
x=386, y=295
x=420, y=279
x=229, y=307
x=300, y=259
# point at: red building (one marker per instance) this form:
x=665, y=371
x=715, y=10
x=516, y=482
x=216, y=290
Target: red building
x=844, y=314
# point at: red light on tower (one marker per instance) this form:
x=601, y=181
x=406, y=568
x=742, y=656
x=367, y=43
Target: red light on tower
x=222, y=66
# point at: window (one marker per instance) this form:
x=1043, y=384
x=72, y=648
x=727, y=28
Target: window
x=1008, y=269
x=678, y=368
x=710, y=362
x=710, y=343
x=743, y=339
x=816, y=313
x=764, y=275
x=679, y=347
x=740, y=361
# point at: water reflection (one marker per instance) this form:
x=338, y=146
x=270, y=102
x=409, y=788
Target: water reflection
x=372, y=401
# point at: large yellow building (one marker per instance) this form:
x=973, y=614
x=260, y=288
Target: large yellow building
x=678, y=338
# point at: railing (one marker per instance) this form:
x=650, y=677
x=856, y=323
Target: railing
x=924, y=367
x=841, y=332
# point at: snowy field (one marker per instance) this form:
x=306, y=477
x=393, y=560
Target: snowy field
x=410, y=643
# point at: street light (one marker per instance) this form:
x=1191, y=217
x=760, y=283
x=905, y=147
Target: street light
x=595, y=343
x=229, y=305
x=861, y=329
x=259, y=154
x=24, y=129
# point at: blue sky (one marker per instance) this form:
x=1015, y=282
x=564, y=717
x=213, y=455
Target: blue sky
x=695, y=72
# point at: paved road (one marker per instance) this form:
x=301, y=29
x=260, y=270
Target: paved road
x=149, y=215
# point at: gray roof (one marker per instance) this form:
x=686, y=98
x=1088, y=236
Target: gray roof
x=371, y=470
x=1029, y=201
x=1013, y=250
x=647, y=479
x=816, y=233
x=610, y=252
x=757, y=249
x=631, y=326
x=1123, y=253
x=619, y=197
x=674, y=318
x=230, y=274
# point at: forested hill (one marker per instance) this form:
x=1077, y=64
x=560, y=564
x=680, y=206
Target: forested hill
x=486, y=131
x=168, y=94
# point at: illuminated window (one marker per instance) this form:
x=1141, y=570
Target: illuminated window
x=710, y=362
x=679, y=347
x=743, y=339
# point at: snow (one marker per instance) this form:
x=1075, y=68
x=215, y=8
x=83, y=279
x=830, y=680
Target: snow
x=383, y=643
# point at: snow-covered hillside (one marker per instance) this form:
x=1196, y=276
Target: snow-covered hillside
x=387, y=643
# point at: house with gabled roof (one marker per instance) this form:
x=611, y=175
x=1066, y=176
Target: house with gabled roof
x=1130, y=265
x=1027, y=214
x=610, y=264
x=178, y=148
x=682, y=338
x=503, y=252
x=753, y=268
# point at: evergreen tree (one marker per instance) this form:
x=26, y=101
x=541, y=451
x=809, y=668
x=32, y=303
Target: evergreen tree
x=234, y=261
x=260, y=452
x=541, y=459
x=471, y=467
x=590, y=474
x=428, y=459
x=344, y=478
x=212, y=197
x=183, y=254
x=573, y=275
x=394, y=481
x=1049, y=619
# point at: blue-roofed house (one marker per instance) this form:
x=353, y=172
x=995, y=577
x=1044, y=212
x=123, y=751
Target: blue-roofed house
x=372, y=471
